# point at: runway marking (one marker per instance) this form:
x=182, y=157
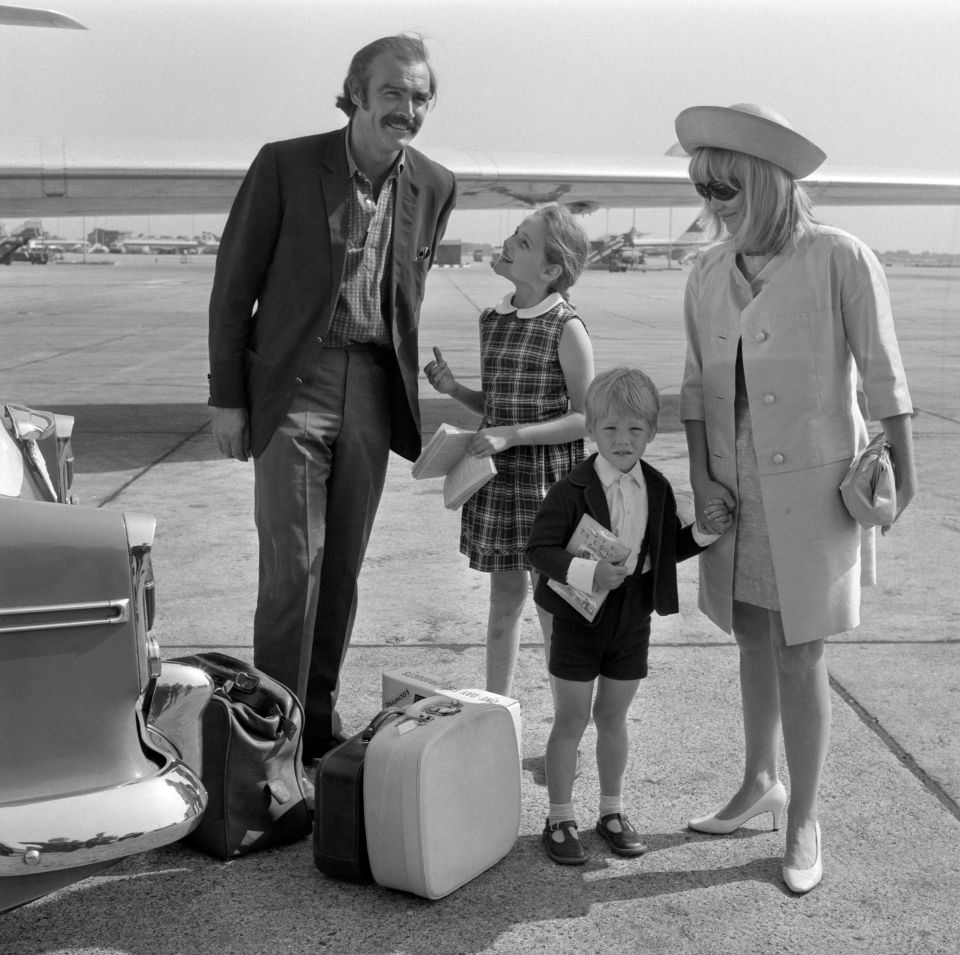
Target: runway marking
x=934, y=414
x=479, y=308
x=873, y=723
x=113, y=495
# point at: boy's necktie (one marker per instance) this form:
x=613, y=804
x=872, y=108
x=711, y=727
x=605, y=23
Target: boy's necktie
x=618, y=513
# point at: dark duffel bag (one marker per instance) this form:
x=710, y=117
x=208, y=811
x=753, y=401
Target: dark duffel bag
x=250, y=761
x=339, y=834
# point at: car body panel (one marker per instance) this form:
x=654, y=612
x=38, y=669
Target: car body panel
x=84, y=778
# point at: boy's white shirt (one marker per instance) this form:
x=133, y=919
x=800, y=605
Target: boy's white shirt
x=581, y=572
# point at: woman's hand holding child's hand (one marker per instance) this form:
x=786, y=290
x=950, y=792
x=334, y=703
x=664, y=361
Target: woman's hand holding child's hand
x=608, y=576
x=719, y=504
x=718, y=515
x=439, y=375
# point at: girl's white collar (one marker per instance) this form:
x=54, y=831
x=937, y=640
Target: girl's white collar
x=505, y=306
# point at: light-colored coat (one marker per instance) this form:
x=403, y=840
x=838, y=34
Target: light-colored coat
x=823, y=314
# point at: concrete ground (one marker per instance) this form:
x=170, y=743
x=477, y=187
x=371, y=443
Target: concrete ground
x=123, y=348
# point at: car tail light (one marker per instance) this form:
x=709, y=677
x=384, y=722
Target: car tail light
x=141, y=529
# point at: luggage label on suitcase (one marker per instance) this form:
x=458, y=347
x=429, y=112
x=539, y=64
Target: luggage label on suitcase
x=441, y=795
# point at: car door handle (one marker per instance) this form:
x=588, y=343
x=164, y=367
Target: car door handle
x=59, y=616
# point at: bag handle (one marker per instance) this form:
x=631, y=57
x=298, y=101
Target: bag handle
x=390, y=713
x=225, y=670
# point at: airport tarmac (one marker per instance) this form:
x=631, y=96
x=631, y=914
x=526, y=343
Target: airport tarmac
x=123, y=348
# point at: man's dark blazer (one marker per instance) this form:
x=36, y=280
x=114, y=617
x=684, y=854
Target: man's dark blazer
x=279, y=270
x=581, y=492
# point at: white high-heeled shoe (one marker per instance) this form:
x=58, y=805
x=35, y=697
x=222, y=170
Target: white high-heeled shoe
x=772, y=801
x=803, y=880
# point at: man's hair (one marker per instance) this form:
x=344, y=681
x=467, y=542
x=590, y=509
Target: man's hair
x=405, y=47
x=776, y=208
x=622, y=390
x=565, y=244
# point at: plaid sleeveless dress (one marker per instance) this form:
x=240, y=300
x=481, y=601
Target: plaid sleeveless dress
x=522, y=382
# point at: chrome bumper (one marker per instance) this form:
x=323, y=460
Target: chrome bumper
x=179, y=696
x=101, y=825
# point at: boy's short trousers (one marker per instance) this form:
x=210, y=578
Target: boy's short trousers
x=584, y=652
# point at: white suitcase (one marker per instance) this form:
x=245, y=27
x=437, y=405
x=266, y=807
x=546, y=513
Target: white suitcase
x=441, y=795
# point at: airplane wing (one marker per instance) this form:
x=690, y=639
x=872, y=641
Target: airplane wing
x=29, y=17
x=60, y=178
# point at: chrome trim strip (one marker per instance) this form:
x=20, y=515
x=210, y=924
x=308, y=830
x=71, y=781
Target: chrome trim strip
x=87, y=828
x=99, y=612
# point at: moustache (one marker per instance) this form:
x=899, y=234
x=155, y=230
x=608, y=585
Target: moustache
x=398, y=119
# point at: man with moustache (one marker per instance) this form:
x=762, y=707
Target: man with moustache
x=313, y=355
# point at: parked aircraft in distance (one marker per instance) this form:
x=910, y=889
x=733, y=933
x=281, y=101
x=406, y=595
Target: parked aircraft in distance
x=50, y=245
x=146, y=244
x=626, y=250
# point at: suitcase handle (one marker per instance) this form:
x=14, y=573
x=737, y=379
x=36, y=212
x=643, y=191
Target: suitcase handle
x=427, y=709
x=391, y=712
x=431, y=706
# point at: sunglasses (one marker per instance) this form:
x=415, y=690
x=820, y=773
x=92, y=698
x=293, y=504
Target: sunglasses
x=723, y=191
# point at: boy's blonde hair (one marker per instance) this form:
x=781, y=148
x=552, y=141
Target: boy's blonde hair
x=566, y=245
x=622, y=390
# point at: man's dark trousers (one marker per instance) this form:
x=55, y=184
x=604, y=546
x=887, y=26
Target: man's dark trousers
x=318, y=486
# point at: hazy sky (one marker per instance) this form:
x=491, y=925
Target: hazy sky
x=875, y=83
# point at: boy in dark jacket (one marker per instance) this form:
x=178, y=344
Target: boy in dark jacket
x=619, y=491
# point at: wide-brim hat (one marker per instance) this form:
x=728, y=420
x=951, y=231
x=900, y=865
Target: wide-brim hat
x=748, y=128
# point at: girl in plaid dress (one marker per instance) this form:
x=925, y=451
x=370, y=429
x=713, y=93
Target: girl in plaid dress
x=536, y=363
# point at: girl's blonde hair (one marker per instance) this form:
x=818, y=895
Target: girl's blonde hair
x=622, y=390
x=565, y=244
x=776, y=208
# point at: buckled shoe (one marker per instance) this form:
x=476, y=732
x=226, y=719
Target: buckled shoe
x=570, y=850
x=627, y=842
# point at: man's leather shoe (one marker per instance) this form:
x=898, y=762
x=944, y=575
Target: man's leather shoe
x=627, y=842
x=569, y=851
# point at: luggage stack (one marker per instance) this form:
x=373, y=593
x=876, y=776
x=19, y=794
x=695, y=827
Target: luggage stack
x=424, y=799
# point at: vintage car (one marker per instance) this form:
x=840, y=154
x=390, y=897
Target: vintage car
x=96, y=743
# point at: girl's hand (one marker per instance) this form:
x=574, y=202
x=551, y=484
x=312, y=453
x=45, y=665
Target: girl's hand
x=608, y=576
x=718, y=514
x=490, y=441
x=707, y=496
x=439, y=375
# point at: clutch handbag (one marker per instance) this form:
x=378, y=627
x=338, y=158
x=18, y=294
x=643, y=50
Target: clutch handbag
x=868, y=489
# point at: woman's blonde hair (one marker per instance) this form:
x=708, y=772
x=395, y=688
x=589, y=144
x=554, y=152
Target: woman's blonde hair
x=776, y=208
x=565, y=245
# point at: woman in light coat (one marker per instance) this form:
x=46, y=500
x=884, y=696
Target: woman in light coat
x=780, y=317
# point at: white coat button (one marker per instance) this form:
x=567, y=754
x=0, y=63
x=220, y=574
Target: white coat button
x=769, y=399
x=760, y=337
x=777, y=458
